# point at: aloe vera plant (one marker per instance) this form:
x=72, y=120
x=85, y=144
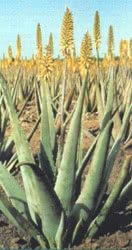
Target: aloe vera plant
x=57, y=211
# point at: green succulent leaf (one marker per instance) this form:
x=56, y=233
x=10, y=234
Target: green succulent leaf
x=49, y=206
x=17, y=219
x=48, y=135
x=13, y=190
x=65, y=182
x=114, y=150
x=111, y=200
x=86, y=203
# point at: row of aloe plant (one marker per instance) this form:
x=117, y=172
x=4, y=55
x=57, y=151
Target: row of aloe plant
x=52, y=207
x=23, y=83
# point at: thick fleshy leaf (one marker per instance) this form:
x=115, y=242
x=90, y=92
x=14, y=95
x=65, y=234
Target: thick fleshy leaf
x=66, y=177
x=49, y=206
x=109, y=104
x=24, y=154
x=60, y=232
x=111, y=200
x=13, y=190
x=48, y=135
x=17, y=219
x=114, y=150
x=86, y=203
x=80, y=170
x=106, y=119
x=22, y=148
x=99, y=103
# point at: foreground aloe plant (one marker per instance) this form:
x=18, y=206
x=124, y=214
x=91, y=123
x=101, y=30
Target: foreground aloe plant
x=52, y=203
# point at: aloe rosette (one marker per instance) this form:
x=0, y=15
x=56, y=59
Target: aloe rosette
x=54, y=207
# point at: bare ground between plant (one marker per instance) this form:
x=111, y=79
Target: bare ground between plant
x=117, y=231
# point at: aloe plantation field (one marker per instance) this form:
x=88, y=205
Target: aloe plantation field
x=66, y=144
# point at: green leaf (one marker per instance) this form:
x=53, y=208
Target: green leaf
x=66, y=177
x=48, y=135
x=86, y=203
x=49, y=206
x=14, y=191
x=23, y=152
x=111, y=200
x=17, y=219
x=114, y=150
x=60, y=232
x=109, y=104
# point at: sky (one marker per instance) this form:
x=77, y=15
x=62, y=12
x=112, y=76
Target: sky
x=22, y=16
